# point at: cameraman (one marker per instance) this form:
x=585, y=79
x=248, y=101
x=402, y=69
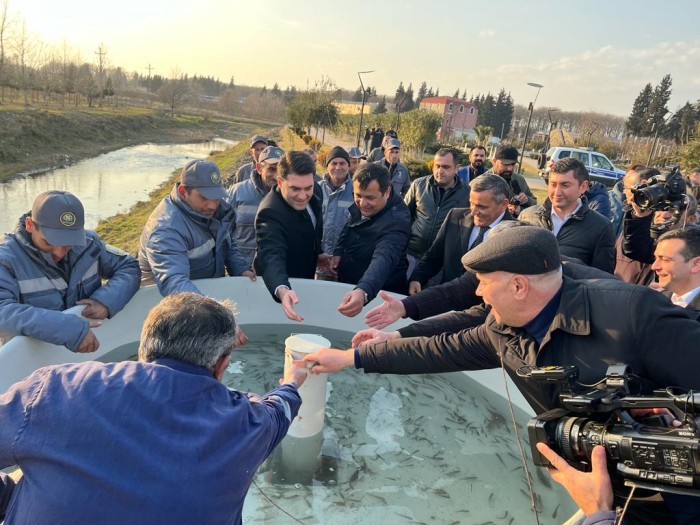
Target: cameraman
x=642, y=227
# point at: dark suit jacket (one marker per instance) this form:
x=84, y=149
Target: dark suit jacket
x=288, y=242
x=450, y=244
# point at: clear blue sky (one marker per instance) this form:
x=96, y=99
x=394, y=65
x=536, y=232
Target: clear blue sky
x=589, y=55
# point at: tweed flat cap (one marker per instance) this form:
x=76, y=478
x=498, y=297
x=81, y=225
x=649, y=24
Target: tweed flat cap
x=527, y=250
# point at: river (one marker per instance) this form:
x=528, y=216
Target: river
x=106, y=185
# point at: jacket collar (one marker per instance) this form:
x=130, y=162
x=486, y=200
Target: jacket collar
x=546, y=209
x=573, y=314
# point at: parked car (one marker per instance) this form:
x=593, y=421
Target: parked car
x=599, y=166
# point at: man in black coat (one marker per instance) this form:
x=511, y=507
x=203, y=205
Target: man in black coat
x=288, y=229
x=463, y=229
x=581, y=233
x=371, y=252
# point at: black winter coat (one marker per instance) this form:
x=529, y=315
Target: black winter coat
x=451, y=243
x=429, y=208
x=586, y=236
x=373, y=250
x=288, y=242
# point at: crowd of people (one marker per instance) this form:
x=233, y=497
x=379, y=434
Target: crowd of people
x=493, y=278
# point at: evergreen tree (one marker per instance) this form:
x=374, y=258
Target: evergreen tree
x=357, y=95
x=408, y=104
x=456, y=95
x=464, y=94
x=437, y=92
x=400, y=94
x=430, y=92
x=637, y=121
x=263, y=91
x=657, y=107
x=276, y=90
x=422, y=92
x=381, y=107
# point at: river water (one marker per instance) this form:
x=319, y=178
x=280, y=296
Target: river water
x=106, y=185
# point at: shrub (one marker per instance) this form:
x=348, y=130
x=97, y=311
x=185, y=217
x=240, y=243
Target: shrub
x=307, y=139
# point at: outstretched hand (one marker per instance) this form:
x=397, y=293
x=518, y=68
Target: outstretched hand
x=372, y=335
x=328, y=360
x=390, y=311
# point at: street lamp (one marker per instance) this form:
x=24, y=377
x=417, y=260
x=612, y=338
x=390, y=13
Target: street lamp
x=362, y=109
x=529, y=118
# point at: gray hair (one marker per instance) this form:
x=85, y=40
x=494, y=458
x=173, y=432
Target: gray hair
x=496, y=184
x=189, y=327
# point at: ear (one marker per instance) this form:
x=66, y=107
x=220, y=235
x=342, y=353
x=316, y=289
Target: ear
x=694, y=265
x=181, y=190
x=521, y=287
x=584, y=186
x=29, y=224
x=220, y=366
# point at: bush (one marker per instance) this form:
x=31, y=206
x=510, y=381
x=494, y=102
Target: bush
x=307, y=139
x=418, y=168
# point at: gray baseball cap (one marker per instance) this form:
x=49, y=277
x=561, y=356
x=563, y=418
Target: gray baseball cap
x=392, y=143
x=258, y=138
x=61, y=218
x=203, y=175
x=271, y=155
x=355, y=153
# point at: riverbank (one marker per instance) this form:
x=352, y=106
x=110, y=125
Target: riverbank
x=38, y=140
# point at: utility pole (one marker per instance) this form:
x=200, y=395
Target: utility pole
x=148, y=89
x=101, y=53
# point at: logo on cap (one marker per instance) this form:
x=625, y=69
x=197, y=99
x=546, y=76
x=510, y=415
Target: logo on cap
x=67, y=219
x=215, y=177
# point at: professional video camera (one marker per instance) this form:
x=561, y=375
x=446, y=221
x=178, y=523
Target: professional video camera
x=662, y=458
x=662, y=192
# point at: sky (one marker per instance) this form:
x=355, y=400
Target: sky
x=589, y=55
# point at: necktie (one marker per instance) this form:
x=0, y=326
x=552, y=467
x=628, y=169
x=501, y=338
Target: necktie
x=479, y=237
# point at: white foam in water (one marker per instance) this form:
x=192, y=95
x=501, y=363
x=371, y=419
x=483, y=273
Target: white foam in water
x=383, y=423
x=236, y=367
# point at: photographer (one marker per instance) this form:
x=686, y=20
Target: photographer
x=540, y=318
x=642, y=225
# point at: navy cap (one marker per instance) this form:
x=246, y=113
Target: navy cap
x=204, y=175
x=526, y=250
x=258, y=138
x=61, y=218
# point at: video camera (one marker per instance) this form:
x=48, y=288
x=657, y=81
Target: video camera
x=662, y=458
x=662, y=192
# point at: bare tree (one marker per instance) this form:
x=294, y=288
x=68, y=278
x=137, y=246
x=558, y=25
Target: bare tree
x=28, y=55
x=5, y=23
x=174, y=92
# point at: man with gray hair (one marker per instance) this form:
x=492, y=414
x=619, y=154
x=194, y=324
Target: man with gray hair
x=463, y=229
x=157, y=441
x=540, y=318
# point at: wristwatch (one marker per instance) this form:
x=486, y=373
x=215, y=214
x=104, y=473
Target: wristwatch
x=365, y=294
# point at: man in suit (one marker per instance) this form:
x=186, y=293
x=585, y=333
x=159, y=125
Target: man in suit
x=288, y=230
x=677, y=265
x=463, y=229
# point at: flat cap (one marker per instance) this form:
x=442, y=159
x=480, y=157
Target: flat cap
x=258, y=138
x=527, y=250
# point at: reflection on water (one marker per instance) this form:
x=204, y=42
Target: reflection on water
x=406, y=449
x=106, y=185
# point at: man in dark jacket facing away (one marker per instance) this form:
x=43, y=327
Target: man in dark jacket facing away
x=429, y=199
x=288, y=229
x=581, y=233
x=371, y=252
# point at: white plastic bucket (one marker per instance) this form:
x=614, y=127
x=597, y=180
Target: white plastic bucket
x=309, y=421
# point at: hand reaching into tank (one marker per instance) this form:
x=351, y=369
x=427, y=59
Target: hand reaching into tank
x=329, y=360
x=296, y=374
x=372, y=335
